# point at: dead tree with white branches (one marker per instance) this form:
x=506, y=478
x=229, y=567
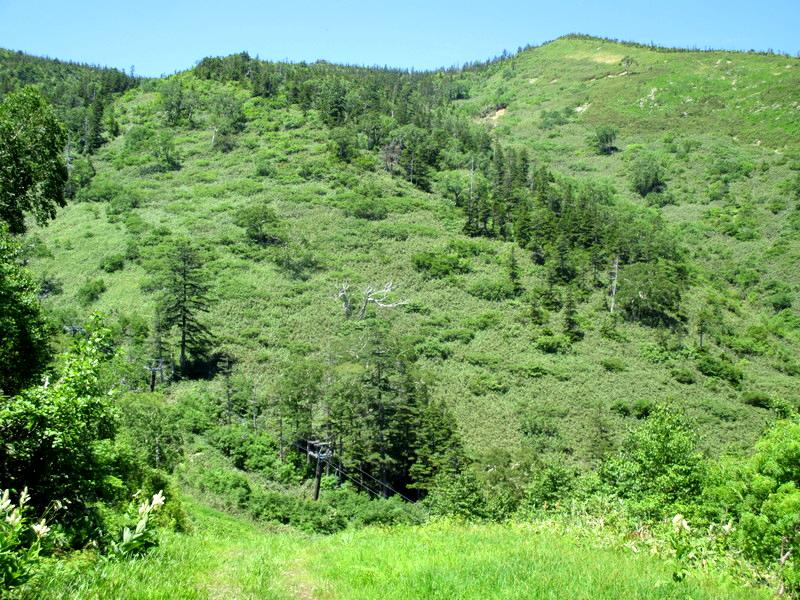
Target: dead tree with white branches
x=353, y=305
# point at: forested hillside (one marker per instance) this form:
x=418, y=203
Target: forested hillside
x=561, y=284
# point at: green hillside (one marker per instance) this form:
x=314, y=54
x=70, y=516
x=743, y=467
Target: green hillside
x=743, y=245
x=551, y=299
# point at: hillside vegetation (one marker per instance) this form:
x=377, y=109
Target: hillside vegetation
x=558, y=289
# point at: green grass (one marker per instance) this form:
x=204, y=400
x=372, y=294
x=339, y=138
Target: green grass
x=223, y=557
x=229, y=557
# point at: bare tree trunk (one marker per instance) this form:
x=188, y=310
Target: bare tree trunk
x=614, y=279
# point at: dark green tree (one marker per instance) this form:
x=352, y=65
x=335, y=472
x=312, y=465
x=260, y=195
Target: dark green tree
x=183, y=298
x=32, y=166
x=647, y=175
x=227, y=120
x=514, y=275
x=651, y=293
x=604, y=138
x=262, y=225
x=24, y=349
x=177, y=103
x=571, y=326
x=93, y=136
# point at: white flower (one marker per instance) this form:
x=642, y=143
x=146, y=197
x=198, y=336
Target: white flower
x=679, y=523
x=728, y=527
x=143, y=508
x=41, y=529
x=6, y=501
x=14, y=518
x=158, y=499
x=24, y=497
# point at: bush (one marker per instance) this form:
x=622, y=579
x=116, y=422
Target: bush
x=613, y=364
x=265, y=168
x=553, y=344
x=438, y=264
x=91, y=291
x=57, y=440
x=112, y=263
x=297, y=262
x=261, y=224
x=457, y=495
x=683, y=375
x=603, y=140
x=757, y=399
x=720, y=367
x=493, y=290
x=647, y=175
x=657, y=470
x=100, y=190
x=24, y=330
x=651, y=293
x=781, y=301
x=369, y=209
x=770, y=508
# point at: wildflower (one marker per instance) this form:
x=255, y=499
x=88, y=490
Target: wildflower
x=728, y=527
x=679, y=523
x=41, y=529
x=6, y=501
x=158, y=499
x=24, y=497
x=144, y=507
x=14, y=518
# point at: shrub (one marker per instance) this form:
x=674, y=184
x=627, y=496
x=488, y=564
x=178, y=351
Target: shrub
x=112, y=263
x=438, y=264
x=720, y=367
x=781, y=301
x=604, y=138
x=457, y=495
x=122, y=204
x=100, y=190
x=24, y=331
x=297, y=262
x=261, y=224
x=265, y=168
x=432, y=349
x=651, y=293
x=657, y=470
x=91, y=291
x=553, y=344
x=770, y=519
x=369, y=209
x=647, y=175
x=757, y=399
x=493, y=290
x=683, y=375
x=57, y=438
x=613, y=364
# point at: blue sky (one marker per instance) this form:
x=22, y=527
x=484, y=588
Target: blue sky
x=167, y=35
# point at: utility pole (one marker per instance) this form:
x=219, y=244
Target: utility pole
x=156, y=367
x=322, y=453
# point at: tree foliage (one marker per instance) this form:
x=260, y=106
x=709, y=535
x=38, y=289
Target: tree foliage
x=183, y=296
x=32, y=167
x=24, y=344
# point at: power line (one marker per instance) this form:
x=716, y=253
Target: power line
x=341, y=469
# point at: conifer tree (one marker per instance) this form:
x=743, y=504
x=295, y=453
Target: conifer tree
x=514, y=274
x=571, y=326
x=93, y=137
x=184, y=297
